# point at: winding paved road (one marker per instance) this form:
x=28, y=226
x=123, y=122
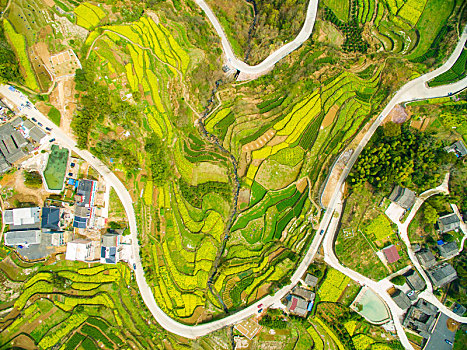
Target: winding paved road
x=274, y=57
x=413, y=90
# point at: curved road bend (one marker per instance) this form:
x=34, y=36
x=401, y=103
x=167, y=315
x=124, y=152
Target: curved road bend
x=410, y=91
x=274, y=57
x=413, y=90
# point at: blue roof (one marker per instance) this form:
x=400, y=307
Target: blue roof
x=71, y=182
x=310, y=306
x=50, y=218
x=440, y=242
x=79, y=222
x=109, y=254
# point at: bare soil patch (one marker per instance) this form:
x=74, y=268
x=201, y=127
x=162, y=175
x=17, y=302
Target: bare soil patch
x=275, y=254
x=43, y=108
x=50, y=3
x=63, y=98
x=260, y=142
x=277, y=140
x=398, y=115
x=329, y=117
x=301, y=184
x=22, y=192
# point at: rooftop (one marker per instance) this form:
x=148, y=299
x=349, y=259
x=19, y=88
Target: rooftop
x=442, y=274
x=403, y=196
x=448, y=222
x=11, y=143
x=110, y=240
x=36, y=134
x=426, y=258
x=108, y=255
x=311, y=280
x=304, y=293
x=458, y=148
x=85, y=189
x=391, y=254
x=22, y=216
x=50, y=218
x=448, y=250
x=401, y=299
x=414, y=280
x=79, y=249
x=14, y=238
x=298, y=305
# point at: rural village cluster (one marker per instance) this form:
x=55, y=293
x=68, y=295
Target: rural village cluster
x=251, y=230
x=74, y=220
x=73, y=217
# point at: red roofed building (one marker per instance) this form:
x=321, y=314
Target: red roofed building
x=391, y=254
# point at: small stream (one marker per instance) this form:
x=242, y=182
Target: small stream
x=252, y=30
x=214, y=140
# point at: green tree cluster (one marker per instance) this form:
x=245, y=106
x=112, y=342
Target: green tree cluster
x=9, y=66
x=160, y=166
x=98, y=103
x=110, y=148
x=274, y=322
x=32, y=178
x=411, y=158
x=352, y=30
x=195, y=194
x=399, y=280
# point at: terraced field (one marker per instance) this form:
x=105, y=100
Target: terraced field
x=73, y=306
x=88, y=15
x=402, y=27
x=206, y=245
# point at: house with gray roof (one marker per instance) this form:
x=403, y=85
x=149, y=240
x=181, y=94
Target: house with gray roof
x=448, y=223
x=297, y=305
x=311, y=281
x=36, y=134
x=12, y=143
x=403, y=196
x=50, y=219
x=22, y=238
x=448, y=250
x=414, y=280
x=21, y=219
x=442, y=274
x=306, y=294
x=401, y=299
x=421, y=318
x=426, y=258
x=458, y=148
x=110, y=243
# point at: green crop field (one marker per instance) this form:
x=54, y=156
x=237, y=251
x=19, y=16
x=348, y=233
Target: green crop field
x=228, y=178
x=455, y=73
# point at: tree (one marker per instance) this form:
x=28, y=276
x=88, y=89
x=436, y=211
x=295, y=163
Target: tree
x=159, y=161
x=391, y=129
x=32, y=178
x=399, y=280
x=430, y=214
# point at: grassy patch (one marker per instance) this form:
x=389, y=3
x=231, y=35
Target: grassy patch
x=429, y=28
x=340, y=7
x=54, y=115
x=18, y=42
